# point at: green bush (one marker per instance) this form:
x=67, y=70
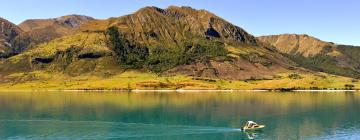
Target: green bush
x=130, y=56
x=294, y=76
x=324, y=63
x=161, y=59
x=116, y=42
x=349, y=86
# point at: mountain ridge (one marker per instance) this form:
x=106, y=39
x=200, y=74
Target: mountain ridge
x=316, y=54
x=71, y=20
x=37, y=31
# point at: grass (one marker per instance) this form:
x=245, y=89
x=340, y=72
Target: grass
x=105, y=74
x=308, y=81
x=130, y=80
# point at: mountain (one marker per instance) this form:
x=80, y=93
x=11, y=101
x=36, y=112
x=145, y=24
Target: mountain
x=176, y=40
x=172, y=48
x=174, y=23
x=318, y=55
x=8, y=33
x=37, y=31
x=69, y=21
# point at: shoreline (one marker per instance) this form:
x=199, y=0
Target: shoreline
x=178, y=91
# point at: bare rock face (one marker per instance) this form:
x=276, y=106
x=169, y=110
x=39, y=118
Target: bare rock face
x=8, y=32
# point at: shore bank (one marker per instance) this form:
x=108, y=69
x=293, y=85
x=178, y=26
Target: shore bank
x=179, y=91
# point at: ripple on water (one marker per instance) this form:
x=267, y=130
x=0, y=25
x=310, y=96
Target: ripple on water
x=56, y=129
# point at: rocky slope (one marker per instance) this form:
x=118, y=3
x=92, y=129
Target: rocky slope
x=318, y=55
x=176, y=40
x=297, y=44
x=72, y=21
x=174, y=24
x=8, y=33
x=37, y=31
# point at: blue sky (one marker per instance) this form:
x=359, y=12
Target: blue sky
x=330, y=20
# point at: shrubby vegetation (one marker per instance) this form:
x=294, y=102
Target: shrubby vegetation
x=324, y=63
x=349, y=86
x=161, y=58
x=130, y=56
x=294, y=76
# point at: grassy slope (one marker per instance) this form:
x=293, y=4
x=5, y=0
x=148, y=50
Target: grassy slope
x=107, y=75
x=40, y=80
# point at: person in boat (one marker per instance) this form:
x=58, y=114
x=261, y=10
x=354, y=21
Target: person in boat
x=250, y=124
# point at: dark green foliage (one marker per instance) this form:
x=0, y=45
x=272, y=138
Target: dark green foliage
x=130, y=56
x=206, y=79
x=91, y=55
x=201, y=49
x=352, y=52
x=162, y=58
x=255, y=57
x=324, y=63
x=349, y=86
x=203, y=52
x=117, y=42
x=135, y=56
x=294, y=76
x=43, y=60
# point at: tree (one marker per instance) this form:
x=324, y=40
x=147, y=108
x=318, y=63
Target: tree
x=349, y=86
x=117, y=42
x=130, y=56
x=294, y=76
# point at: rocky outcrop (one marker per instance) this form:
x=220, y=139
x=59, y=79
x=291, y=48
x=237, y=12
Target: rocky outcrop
x=8, y=33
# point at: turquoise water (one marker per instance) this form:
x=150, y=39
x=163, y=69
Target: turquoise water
x=178, y=116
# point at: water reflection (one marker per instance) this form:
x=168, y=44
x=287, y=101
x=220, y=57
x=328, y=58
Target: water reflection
x=109, y=115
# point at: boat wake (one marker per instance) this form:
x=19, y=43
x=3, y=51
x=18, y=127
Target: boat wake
x=58, y=129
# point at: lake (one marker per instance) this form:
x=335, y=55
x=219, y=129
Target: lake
x=178, y=116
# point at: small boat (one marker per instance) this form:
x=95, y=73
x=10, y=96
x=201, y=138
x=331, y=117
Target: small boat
x=250, y=125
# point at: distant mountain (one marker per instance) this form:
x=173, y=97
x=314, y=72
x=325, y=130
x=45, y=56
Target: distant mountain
x=69, y=21
x=176, y=40
x=318, y=55
x=37, y=31
x=8, y=33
